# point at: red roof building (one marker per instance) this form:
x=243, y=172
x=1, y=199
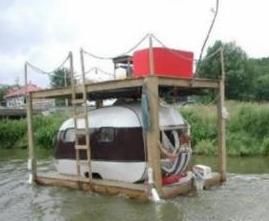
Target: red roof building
x=15, y=97
x=21, y=91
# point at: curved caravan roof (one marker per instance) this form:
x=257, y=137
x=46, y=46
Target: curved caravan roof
x=125, y=116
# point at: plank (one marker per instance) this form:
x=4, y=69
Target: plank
x=127, y=83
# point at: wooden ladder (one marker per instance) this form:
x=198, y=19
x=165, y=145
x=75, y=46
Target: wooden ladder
x=80, y=112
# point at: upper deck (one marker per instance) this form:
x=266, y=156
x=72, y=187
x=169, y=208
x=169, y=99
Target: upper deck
x=131, y=88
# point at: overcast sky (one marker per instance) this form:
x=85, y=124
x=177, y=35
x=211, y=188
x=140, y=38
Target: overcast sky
x=43, y=32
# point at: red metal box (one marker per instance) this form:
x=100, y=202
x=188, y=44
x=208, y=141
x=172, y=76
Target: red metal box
x=167, y=62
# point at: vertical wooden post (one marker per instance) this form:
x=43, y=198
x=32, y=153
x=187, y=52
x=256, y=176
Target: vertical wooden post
x=31, y=152
x=65, y=84
x=151, y=58
x=99, y=103
x=221, y=122
x=153, y=134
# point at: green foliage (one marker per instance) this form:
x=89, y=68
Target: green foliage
x=239, y=73
x=205, y=146
x=247, y=128
x=3, y=90
x=202, y=120
x=46, y=130
x=60, y=78
x=13, y=133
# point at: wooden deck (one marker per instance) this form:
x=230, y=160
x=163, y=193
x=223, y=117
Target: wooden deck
x=130, y=190
x=111, y=89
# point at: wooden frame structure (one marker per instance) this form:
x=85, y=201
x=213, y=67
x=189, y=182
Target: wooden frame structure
x=110, y=89
x=130, y=87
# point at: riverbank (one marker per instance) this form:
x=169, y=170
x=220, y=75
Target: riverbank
x=247, y=129
x=13, y=133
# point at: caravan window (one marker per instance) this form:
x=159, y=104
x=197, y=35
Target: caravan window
x=106, y=134
x=69, y=135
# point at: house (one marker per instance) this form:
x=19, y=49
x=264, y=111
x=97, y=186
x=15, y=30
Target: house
x=16, y=97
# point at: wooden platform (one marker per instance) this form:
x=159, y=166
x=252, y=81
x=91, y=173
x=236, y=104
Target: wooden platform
x=118, y=88
x=130, y=190
x=156, y=87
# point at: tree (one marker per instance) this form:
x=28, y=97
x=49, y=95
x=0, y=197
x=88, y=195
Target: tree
x=261, y=82
x=60, y=78
x=3, y=91
x=239, y=73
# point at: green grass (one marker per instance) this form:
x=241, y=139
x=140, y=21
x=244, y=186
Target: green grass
x=247, y=129
x=13, y=133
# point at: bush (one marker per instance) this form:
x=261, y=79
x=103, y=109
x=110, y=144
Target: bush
x=247, y=128
x=13, y=133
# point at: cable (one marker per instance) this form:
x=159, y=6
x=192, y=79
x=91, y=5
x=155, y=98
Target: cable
x=124, y=53
x=208, y=34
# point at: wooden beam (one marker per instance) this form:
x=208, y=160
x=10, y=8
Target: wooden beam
x=90, y=87
x=99, y=104
x=136, y=191
x=189, y=83
x=221, y=124
x=151, y=56
x=126, y=83
x=153, y=134
x=31, y=152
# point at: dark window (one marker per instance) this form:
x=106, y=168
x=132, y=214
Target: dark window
x=69, y=136
x=106, y=135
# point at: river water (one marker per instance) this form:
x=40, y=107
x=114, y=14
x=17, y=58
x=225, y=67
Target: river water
x=244, y=197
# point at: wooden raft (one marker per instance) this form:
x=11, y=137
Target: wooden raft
x=119, y=89
x=130, y=190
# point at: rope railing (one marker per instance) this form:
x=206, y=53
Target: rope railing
x=37, y=69
x=48, y=73
x=124, y=53
x=99, y=70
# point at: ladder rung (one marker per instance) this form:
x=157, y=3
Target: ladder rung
x=78, y=101
x=81, y=147
x=84, y=162
x=80, y=132
x=80, y=116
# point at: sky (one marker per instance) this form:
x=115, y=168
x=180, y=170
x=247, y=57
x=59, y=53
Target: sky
x=43, y=32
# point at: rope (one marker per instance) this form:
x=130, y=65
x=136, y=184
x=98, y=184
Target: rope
x=208, y=34
x=170, y=50
x=37, y=69
x=124, y=53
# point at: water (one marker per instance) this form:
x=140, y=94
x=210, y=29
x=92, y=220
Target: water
x=244, y=197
